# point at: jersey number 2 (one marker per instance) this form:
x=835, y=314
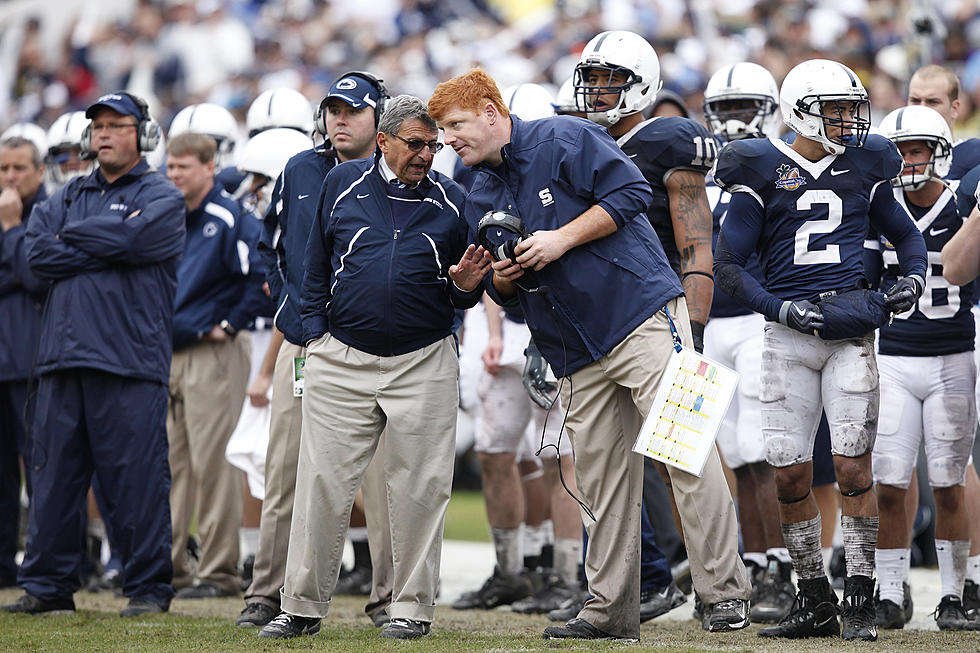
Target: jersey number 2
x=802, y=254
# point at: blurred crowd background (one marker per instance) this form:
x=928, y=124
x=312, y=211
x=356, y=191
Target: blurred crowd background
x=60, y=55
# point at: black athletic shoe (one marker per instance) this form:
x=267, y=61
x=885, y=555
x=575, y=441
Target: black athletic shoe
x=205, y=591
x=838, y=568
x=248, y=567
x=381, y=618
x=405, y=629
x=138, y=607
x=888, y=615
x=971, y=597
x=256, y=614
x=570, y=611
x=950, y=615
x=581, y=629
x=777, y=598
x=655, y=602
x=355, y=582
x=814, y=613
x=30, y=604
x=555, y=594
x=288, y=625
x=500, y=589
x=907, y=602
x=731, y=614
x=858, y=609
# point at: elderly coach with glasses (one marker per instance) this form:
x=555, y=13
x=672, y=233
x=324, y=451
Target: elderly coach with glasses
x=378, y=303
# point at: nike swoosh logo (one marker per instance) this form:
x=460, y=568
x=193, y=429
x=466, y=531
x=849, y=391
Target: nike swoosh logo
x=633, y=156
x=800, y=311
x=825, y=622
x=936, y=232
x=360, y=197
x=834, y=173
x=302, y=197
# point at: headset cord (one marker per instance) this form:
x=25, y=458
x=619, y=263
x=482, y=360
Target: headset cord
x=543, y=290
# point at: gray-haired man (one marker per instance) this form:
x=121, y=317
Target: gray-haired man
x=378, y=304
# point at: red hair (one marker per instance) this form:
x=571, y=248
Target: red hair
x=470, y=92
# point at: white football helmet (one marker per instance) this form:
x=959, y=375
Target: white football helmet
x=742, y=101
x=280, y=107
x=31, y=132
x=212, y=120
x=263, y=159
x=529, y=101
x=63, y=160
x=920, y=123
x=810, y=103
x=610, y=53
x=565, y=101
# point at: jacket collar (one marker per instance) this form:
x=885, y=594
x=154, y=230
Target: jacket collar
x=215, y=191
x=97, y=180
x=387, y=175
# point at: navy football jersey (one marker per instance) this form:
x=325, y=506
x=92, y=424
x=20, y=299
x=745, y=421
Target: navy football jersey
x=966, y=155
x=659, y=146
x=723, y=304
x=816, y=212
x=966, y=191
x=940, y=322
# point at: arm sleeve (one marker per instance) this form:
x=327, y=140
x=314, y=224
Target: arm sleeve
x=270, y=248
x=737, y=241
x=315, y=292
x=892, y=221
x=249, y=265
x=153, y=235
x=50, y=258
x=873, y=263
x=14, y=270
x=610, y=179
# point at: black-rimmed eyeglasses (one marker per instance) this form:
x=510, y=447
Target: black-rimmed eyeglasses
x=416, y=144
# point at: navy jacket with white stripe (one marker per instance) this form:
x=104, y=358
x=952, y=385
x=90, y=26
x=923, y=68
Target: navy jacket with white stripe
x=286, y=229
x=376, y=286
x=220, y=275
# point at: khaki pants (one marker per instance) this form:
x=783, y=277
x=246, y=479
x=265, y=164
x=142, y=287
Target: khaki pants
x=207, y=389
x=280, y=486
x=349, y=399
x=607, y=401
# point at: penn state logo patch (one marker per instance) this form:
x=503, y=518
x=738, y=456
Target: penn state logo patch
x=210, y=229
x=346, y=84
x=789, y=178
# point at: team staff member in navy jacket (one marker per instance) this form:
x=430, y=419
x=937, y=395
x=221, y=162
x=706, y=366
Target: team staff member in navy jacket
x=108, y=243
x=347, y=118
x=600, y=281
x=378, y=305
x=219, y=293
x=21, y=297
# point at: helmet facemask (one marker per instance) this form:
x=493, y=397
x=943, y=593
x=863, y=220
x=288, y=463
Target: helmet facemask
x=833, y=113
x=594, y=80
x=735, y=118
x=915, y=176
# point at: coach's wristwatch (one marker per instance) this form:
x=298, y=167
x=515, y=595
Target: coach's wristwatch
x=227, y=328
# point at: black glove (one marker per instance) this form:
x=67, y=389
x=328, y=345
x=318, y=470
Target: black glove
x=802, y=316
x=541, y=392
x=904, y=294
x=697, y=331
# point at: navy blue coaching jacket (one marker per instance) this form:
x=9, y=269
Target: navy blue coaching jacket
x=111, y=251
x=21, y=300
x=586, y=302
x=287, y=229
x=220, y=275
x=376, y=285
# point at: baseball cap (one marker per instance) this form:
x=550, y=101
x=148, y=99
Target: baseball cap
x=355, y=91
x=118, y=102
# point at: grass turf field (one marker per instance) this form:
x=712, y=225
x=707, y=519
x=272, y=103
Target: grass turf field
x=208, y=625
